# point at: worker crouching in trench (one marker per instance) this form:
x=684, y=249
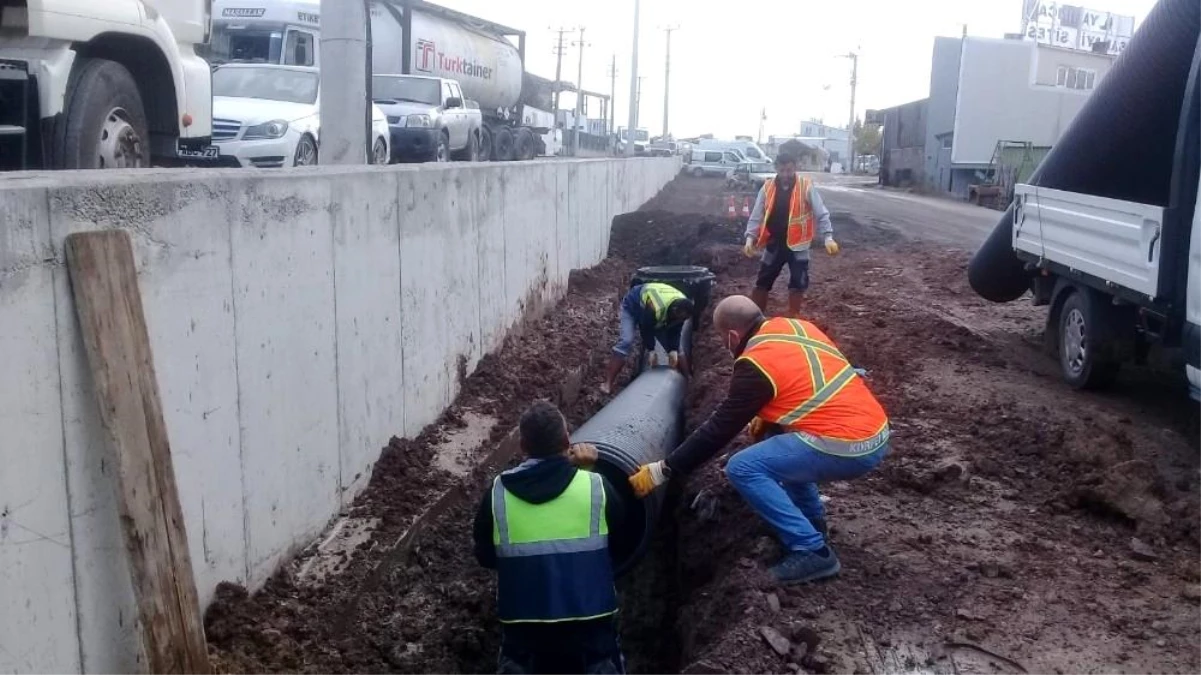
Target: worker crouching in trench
x=544, y=527
x=657, y=311
x=789, y=374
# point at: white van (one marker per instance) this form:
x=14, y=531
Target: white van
x=749, y=149
x=714, y=162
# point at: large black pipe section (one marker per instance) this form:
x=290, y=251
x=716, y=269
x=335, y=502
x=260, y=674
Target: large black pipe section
x=643, y=423
x=1122, y=143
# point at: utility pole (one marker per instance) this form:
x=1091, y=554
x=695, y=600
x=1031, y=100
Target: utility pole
x=579, y=97
x=345, y=61
x=854, y=57
x=633, y=119
x=638, y=103
x=667, y=78
x=558, y=65
x=613, y=94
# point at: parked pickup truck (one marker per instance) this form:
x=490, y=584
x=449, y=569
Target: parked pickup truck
x=1117, y=276
x=428, y=118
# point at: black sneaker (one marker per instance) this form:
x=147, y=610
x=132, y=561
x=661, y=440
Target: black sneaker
x=799, y=567
x=822, y=528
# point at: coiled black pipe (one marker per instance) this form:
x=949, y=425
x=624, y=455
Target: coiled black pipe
x=1120, y=145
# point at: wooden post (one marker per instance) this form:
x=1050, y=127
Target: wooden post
x=105, y=284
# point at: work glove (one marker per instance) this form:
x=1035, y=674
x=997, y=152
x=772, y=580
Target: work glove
x=831, y=246
x=748, y=249
x=673, y=359
x=606, y=388
x=648, y=477
x=652, y=359
x=756, y=428
x=582, y=455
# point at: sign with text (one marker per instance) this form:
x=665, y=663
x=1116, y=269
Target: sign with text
x=1073, y=27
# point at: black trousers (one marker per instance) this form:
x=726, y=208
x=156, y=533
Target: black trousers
x=590, y=647
x=774, y=261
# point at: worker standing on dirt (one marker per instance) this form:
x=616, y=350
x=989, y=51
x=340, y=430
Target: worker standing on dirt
x=812, y=417
x=658, y=311
x=780, y=230
x=544, y=527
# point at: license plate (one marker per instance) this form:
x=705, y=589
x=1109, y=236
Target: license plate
x=207, y=152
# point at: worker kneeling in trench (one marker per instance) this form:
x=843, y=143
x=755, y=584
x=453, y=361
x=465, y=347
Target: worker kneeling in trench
x=544, y=527
x=658, y=311
x=813, y=419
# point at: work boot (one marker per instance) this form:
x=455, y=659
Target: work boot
x=759, y=296
x=795, y=299
x=799, y=567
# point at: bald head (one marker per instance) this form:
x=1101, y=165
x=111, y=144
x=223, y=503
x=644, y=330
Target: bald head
x=737, y=313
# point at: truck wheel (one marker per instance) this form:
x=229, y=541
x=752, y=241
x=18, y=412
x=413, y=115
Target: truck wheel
x=484, y=153
x=698, y=172
x=502, y=145
x=379, y=152
x=443, y=152
x=306, y=152
x=524, y=145
x=103, y=125
x=469, y=151
x=1081, y=348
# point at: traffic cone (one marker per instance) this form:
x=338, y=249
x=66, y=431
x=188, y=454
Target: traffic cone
x=731, y=209
x=746, y=207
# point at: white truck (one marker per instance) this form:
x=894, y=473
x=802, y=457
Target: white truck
x=410, y=38
x=1117, y=275
x=87, y=84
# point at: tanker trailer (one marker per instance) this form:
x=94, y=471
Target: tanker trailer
x=413, y=37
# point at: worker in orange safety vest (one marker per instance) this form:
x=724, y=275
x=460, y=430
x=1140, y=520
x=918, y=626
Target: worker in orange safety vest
x=813, y=419
x=781, y=229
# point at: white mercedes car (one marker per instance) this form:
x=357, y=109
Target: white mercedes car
x=268, y=116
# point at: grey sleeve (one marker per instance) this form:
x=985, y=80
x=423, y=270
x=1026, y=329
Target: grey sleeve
x=824, y=227
x=756, y=220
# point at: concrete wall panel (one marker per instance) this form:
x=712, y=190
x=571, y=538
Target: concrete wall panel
x=493, y=299
x=287, y=373
x=37, y=598
x=428, y=251
x=370, y=345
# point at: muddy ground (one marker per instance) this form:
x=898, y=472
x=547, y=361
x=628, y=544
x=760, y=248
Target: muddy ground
x=1016, y=525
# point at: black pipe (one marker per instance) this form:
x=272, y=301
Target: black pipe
x=1121, y=144
x=643, y=423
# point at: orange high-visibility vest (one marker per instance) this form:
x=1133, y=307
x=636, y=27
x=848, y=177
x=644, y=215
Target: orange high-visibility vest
x=816, y=389
x=800, y=215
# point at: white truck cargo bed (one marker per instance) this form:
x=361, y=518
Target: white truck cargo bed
x=1113, y=240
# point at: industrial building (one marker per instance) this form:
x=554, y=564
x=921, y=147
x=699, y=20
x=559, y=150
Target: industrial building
x=996, y=106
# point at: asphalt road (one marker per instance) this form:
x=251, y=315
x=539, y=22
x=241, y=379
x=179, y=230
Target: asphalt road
x=953, y=223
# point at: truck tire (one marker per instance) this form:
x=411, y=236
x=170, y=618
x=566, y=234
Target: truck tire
x=484, y=153
x=523, y=146
x=442, y=154
x=1083, y=358
x=470, y=151
x=502, y=145
x=103, y=123
x=698, y=172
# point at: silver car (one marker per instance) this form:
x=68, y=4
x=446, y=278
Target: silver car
x=714, y=162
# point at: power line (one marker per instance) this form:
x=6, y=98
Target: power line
x=579, y=95
x=667, y=77
x=559, y=51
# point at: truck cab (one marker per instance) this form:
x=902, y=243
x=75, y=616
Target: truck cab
x=102, y=84
x=428, y=118
x=284, y=32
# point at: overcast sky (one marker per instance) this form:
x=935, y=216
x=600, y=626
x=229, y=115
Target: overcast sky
x=730, y=59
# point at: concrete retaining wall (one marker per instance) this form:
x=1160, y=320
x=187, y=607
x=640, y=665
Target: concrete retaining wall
x=298, y=320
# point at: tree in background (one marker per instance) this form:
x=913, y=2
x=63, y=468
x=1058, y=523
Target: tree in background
x=868, y=139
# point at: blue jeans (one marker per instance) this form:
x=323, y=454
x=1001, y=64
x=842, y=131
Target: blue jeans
x=778, y=477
